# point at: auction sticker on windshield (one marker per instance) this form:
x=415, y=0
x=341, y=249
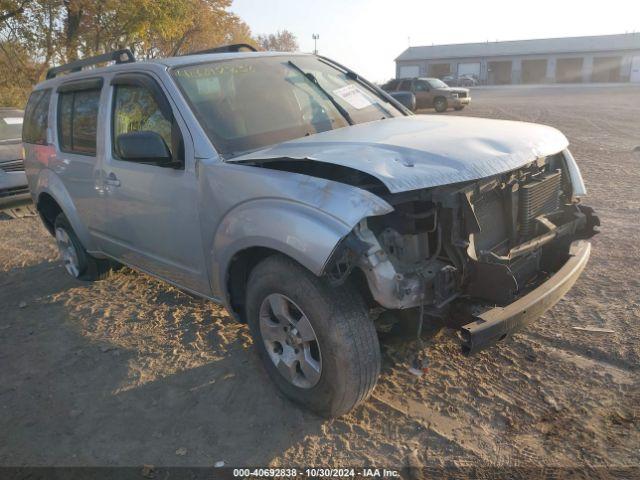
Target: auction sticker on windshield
x=353, y=95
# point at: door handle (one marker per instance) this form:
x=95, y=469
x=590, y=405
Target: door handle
x=112, y=180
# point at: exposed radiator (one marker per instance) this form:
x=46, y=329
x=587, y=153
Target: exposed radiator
x=12, y=166
x=540, y=196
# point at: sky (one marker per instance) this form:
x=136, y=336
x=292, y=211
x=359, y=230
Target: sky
x=367, y=35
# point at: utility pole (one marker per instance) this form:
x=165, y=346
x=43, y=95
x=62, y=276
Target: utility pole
x=315, y=37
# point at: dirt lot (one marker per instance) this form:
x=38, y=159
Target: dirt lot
x=132, y=371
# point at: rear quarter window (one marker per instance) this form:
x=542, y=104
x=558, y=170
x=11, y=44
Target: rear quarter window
x=36, y=117
x=405, y=85
x=391, y=85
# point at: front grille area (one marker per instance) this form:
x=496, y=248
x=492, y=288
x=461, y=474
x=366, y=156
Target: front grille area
x=9, y=192
x=462, y=95
x=540, y=196
x=12, y=166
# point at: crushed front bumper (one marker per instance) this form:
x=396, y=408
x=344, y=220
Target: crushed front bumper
x=496, y=323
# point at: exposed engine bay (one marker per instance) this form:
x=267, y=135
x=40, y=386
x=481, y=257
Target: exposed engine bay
x=485, y=242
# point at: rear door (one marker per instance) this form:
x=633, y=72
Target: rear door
x=152, y=210
x=79, y=134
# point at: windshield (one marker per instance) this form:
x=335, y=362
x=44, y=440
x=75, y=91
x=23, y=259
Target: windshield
x=435, y=83
x=249, y=103
x=11, y=127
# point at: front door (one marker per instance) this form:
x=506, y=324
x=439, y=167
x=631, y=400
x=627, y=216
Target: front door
x=152, y=209
x=422, y=91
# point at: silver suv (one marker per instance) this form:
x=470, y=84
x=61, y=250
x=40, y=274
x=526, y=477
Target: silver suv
x=307, y=201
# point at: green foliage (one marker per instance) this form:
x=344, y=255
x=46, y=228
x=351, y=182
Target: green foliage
x=38, y=34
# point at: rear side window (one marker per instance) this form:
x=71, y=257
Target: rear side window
x=36, y=115
x=405, y=85
x=78, y=121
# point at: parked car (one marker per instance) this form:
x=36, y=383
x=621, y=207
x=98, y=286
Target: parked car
x=13, y=181
x=431, y=93
x=450, y=80
x=465, y=80
x=304, y=209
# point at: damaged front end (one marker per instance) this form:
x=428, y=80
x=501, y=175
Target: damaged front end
x=486, y=256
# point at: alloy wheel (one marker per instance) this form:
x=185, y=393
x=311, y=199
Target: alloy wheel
x=68, y=252
x=290, y=341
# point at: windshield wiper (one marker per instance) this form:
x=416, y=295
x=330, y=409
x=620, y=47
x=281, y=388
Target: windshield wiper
x=311, y=77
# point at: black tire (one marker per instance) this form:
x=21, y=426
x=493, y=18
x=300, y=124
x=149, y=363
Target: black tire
x=88, y=268
x=440, y=104
x=346, y=338
x=457, y=109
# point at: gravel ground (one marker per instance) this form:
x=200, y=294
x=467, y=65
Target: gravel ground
x=131, y=371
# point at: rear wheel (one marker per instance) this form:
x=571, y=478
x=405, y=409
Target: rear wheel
x=75, y=259
x=316, y=342
x=440, y=104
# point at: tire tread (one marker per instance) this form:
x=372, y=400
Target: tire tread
x=349, y=320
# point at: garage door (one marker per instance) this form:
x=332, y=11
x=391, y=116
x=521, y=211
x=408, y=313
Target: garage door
x=409, y=71
x=469, y=69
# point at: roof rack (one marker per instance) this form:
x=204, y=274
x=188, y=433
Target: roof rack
x=236, y=47
x=119, y=56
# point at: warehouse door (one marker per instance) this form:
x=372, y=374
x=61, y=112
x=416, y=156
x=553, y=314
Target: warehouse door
x=409, y=71
x=439, y=70
x=569, y=70
x=534, y=71
x=499, y=73
x=606, y=69
x=472, y=68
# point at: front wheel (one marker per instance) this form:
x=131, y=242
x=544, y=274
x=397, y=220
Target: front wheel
x=457, y=109
x=440, y=104
x=316, y=342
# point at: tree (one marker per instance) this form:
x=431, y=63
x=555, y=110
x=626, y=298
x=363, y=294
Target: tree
x=282, y=41
x=37, y=34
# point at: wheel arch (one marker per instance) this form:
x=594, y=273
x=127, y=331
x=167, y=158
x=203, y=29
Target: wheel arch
x=48, y=209
x=440, y=97
x=255, y=230
x=53, y=198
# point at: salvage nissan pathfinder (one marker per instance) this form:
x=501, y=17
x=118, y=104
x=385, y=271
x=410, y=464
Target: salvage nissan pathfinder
x=302, y=197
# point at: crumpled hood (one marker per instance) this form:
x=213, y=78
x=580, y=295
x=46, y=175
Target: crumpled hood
x=422, y=151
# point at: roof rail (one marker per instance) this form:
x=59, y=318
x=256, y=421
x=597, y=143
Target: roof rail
x=119, y=56
x=236, y=47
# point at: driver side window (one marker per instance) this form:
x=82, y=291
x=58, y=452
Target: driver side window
x=421, y=86
x=136, y=110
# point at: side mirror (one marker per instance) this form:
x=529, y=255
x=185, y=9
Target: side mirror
x=143, y=147
x=407, y=99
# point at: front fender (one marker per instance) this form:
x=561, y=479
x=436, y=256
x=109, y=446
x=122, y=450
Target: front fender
x=48, y=182
x=305, y=234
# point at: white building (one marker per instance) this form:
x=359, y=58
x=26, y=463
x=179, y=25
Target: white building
x=604, y=58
